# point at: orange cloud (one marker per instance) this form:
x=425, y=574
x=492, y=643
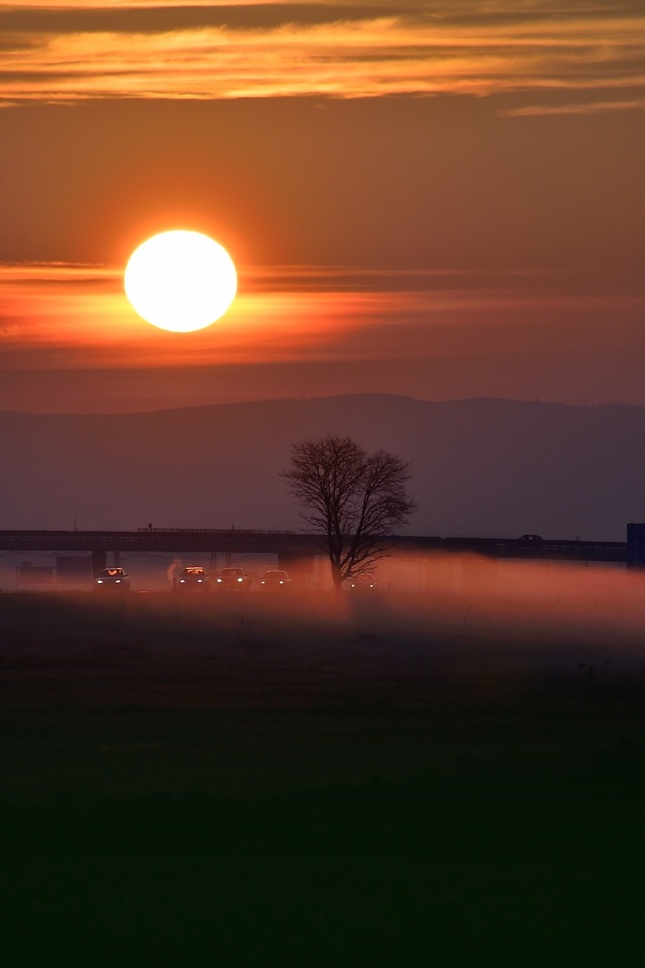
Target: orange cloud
x=57, y=315
x=79, y=314
x=585, y=107
x=517, y=47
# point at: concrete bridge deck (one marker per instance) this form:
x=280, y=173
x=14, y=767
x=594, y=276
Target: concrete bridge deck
x=294, y=544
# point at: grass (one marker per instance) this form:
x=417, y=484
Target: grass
x=275, y=782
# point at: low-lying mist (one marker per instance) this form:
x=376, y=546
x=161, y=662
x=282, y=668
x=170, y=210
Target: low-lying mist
x=495, y=600
x=498, y=617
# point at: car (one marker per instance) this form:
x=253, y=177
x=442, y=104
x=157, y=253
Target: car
x=275, y=579
x=193, y=578
x=530, y=541
x=363, y=584
x=113, y=580
x=232, y=579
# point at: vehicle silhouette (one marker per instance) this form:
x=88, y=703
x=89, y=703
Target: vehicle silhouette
x=194, y=579
x=112, y=580
x=275, y=580
x=232, y=579
x=363, y=584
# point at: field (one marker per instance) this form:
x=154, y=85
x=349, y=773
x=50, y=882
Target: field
x=258, y=780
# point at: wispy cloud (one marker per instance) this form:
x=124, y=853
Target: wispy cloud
x=362, y=50
x=584, y=107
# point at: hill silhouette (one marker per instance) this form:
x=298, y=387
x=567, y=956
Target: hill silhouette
x=480, y=466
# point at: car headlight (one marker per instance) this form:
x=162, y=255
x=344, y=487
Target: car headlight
x=118, y=581
x=281, y=582
x=199, y=581
x=99, y=581
x=240, y=579
x=219, y=581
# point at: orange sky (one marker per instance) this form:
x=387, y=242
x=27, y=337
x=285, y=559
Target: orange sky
x=433, y=196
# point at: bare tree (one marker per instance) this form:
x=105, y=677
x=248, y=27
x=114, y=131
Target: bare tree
x=353, y=499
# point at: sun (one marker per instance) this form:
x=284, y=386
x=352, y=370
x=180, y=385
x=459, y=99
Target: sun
x=180, y=281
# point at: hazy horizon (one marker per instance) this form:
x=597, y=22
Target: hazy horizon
x=489, y=467
x=124, y=410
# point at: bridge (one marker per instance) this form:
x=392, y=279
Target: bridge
x=291, y=545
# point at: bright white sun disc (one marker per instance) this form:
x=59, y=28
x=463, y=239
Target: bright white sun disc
x=180, y=281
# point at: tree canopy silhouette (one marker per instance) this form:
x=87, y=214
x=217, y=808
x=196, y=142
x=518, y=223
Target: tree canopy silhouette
x=353, y=499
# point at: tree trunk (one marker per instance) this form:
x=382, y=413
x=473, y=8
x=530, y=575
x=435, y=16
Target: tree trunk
x=337, y=578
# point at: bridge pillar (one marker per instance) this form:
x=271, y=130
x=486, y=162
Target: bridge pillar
x=99, y=561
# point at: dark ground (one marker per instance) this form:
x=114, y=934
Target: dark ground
x=260, y=782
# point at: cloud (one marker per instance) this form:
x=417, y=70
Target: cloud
x=59, y=315
x=589, y=107
x=326, y=50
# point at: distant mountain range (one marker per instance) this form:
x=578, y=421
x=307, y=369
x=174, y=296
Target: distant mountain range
x=481, y=467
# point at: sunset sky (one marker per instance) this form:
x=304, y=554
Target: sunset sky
x=440, y=198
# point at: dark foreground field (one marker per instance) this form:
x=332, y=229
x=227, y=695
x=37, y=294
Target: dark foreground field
x=256, y=782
